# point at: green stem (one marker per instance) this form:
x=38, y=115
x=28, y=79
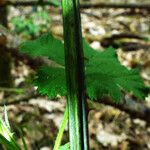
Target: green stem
x=22, y=138
x=74, y=66
x=61, y=130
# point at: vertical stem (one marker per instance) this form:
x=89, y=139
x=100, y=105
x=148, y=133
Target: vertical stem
x=74, y=64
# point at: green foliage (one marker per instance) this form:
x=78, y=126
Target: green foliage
x=65, y=147
x=6, y=136
x=106, y=76
x=51, y=81
x=22, y=138
x=24, y=25
x=104, y=73
x=31, y=25
x=55, y=2
x=47, y=46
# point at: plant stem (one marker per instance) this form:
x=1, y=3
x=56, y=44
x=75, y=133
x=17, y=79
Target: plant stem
x=74, y=65
x=22, y=138
x=61, y=130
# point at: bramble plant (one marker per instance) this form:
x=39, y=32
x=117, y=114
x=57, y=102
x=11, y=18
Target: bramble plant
x=79, y=75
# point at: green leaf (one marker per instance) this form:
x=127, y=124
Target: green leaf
x=47, y=46
x=104, y=73
x=6, y=136
x=51, y=81
x=88, y=51
x=6, y=143
x=65, y=147
x=22, y=138
x=56, y=3
x=106, y=76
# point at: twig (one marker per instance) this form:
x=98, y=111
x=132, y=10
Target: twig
x=83, y=6
x=28, y=3
x=112, y=5
x=133, y=108
x=122, y=42
x=16, y=90
x=19, y=98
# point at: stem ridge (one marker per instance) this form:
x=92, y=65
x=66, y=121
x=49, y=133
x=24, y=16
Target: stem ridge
x=74, y=65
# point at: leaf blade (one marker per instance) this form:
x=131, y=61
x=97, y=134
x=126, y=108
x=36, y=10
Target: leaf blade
x=113, y=77
x=51, y=81
x=46, y=45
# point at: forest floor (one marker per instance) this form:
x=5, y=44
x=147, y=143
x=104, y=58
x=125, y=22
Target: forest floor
x=109, y=127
